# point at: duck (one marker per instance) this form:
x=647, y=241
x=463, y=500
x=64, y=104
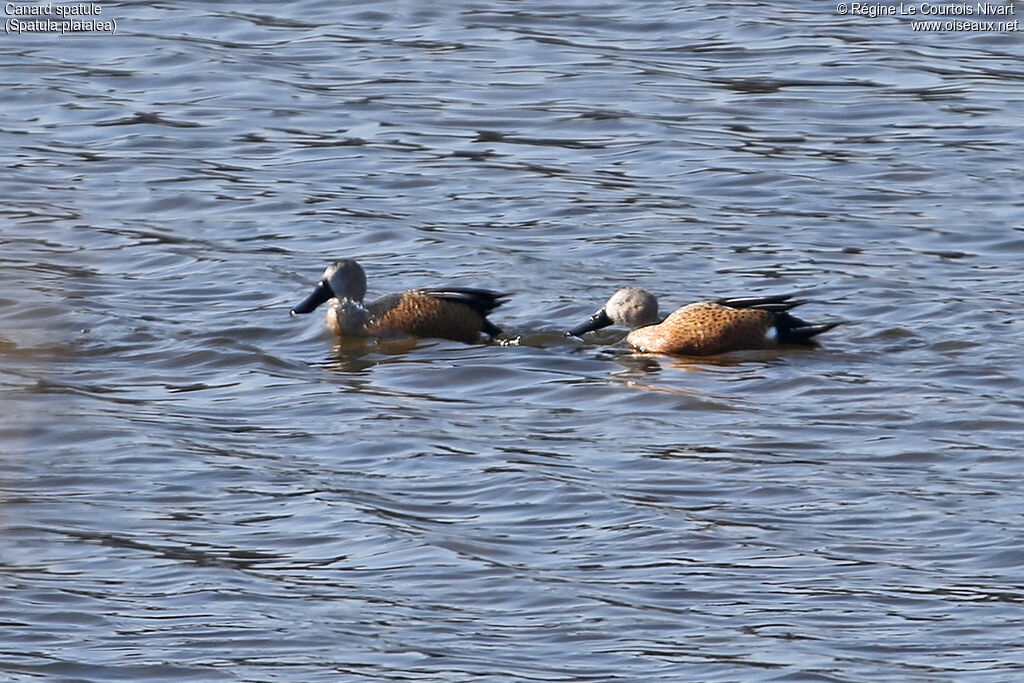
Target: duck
x=704, y=328
x=455, y=313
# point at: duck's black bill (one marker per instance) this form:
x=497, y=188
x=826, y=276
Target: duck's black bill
x=594, y=322
x=322, y=293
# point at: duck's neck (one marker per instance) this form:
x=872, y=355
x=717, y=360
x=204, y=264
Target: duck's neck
x=347, y=317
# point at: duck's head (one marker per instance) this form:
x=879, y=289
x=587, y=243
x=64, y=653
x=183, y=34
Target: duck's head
x=630, y=307
x=343, y=279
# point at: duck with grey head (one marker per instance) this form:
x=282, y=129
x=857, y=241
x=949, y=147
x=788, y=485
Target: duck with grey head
x=456, y=313
x=704, y=328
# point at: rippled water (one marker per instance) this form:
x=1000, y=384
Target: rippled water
x=197, y=487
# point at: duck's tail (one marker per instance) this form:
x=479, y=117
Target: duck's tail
x=790, y=329
x=793, y=330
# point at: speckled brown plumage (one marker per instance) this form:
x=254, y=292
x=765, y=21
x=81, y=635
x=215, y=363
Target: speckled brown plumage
x=705, y=329
x=421, y=314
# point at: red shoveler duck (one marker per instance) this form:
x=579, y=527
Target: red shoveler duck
x=456, y=313
x=704, y=328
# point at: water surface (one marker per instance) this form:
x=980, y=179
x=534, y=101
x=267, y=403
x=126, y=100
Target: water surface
x=195, y=486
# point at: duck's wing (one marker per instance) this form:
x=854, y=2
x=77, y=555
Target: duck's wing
x=483, y=301
x=776, y=304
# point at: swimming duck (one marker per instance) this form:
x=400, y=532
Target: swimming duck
x=456, y=313
x=704, y=328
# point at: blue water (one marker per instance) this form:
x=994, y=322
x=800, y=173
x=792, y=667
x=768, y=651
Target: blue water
x=196, y=486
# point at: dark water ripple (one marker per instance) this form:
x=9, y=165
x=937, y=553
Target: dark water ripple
x=194, y=486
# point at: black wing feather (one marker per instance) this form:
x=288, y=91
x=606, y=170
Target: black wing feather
x=483, y=301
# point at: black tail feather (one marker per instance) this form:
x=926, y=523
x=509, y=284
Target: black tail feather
x=490, y=329
x=793, y=330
